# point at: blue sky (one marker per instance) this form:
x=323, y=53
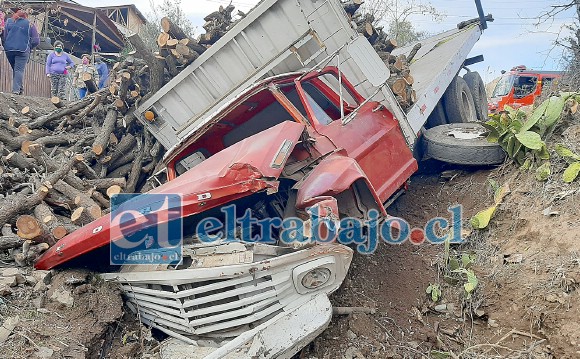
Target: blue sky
x=514, y=38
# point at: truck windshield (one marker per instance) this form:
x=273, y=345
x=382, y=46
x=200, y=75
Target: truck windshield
x=504, y=86
x=524, y=86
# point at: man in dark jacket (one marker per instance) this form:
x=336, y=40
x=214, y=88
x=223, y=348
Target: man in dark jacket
x=20, y=36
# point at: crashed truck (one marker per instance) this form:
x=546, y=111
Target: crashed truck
x=289, y=111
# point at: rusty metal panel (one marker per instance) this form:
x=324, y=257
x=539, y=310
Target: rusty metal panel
x=36, y=83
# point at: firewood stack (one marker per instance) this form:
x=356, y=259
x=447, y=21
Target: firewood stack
x=61, y=163
x=177, y=50
x=401, y=80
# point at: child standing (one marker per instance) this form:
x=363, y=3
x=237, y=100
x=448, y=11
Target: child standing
x=85, y=68
x=57, y=64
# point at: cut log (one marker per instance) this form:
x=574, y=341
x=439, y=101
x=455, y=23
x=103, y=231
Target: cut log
x=61, y=112
x=10, y=242
x=171, y=43
x=135, y=173
x=193, y=45
x=389, y=45
x=113, y=190
x=171, y=64
x=46, y=217
x=106, y=183
x=82, y=216
x=29, y=112
x=15, y=159
x=154, y=65
x=121, y=171
x=90, y=83
x=102, y=140
x=80, y=199
x=56, y=101
x=413, y=52
x=32, y=229
x=172, y=29
x=81, y=116
x=23, y=130
x=162, y=39
x=398, y=85
x=352, y=6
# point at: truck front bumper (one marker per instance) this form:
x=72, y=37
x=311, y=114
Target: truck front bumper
x=280, y=337
x=238, y=300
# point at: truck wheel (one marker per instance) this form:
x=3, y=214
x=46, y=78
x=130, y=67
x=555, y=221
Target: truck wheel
x=437, y=117
x=459, y=106
x=477, y=87
x=462, y=144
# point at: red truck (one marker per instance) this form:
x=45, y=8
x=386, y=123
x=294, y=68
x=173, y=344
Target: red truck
x=520, y=87
x=326, y=141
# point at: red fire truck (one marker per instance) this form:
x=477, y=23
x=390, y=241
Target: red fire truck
x=520, y=87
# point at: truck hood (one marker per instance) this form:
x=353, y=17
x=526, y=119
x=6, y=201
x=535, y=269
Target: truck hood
x=251, y=165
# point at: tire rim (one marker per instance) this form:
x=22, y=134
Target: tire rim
x=472, y=133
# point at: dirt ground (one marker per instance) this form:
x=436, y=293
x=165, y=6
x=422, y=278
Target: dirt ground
x=526, y=303
x=527, y=264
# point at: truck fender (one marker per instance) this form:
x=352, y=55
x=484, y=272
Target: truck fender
x=334, y=176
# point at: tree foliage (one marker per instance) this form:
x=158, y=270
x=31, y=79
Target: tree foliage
x=571, y=42
x=398, y=17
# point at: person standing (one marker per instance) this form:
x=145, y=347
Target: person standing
x=84, y=68
x=57, y=64
x=103, y=71
x=20, y=36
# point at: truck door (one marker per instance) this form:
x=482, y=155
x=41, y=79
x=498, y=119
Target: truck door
x=370, y=135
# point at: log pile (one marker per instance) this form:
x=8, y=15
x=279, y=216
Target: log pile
x=61, y=162
x=401, y=80
x=60, y=165
x=177, y=50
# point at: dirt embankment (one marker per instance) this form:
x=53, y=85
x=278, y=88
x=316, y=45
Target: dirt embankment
x=527, y=264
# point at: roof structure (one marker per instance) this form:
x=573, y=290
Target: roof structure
x=82, y=29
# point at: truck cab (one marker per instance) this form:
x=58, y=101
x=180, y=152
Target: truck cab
x=520, y=87
x=336, y=119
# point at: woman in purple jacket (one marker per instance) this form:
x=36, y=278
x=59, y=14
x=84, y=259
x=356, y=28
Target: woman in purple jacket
x=57, y=64
x=20, y=36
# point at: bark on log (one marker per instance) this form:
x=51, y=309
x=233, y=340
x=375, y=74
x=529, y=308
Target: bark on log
x=154, y=65
x=105, y=183
x=46, y=217
x=58, y=113
x=352, y=6
x=15, y=159
x=413, y=53
x=57, y=102
x=102, y=140
x=142, y=148
x=10, y=242
x=18, y=204
x=172, y=29
x=80, y=199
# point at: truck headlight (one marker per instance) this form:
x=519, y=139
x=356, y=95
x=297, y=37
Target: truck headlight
x=314, y=275
x=316, y=278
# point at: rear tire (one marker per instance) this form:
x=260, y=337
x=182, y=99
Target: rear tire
x=462, y=144
x=437, y=117
x=459, y=105
x=477, y=87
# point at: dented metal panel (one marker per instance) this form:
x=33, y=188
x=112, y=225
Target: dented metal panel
x=205, y=304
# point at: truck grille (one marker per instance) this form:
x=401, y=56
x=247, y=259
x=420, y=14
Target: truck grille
x=213, y=308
